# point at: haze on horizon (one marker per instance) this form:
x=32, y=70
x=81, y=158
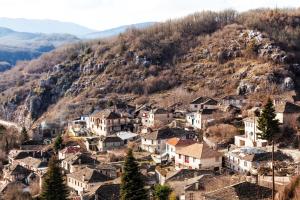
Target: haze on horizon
x=104, y=14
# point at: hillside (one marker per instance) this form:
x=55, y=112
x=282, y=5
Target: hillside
x=16, y=46
x=253, y=53
x=44, y=26
x=115, y=31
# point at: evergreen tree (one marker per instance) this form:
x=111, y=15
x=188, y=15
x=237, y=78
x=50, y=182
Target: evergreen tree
x=267, y=123
x=24, y=134
x=269, y=126
x=162, y=192
x=54, y=187
x=58, y=143
x=132, y=185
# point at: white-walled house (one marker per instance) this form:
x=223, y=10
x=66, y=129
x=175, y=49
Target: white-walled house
x=84, y=179
x=246, y=159
x=200, y=118
x=156, y=117
x=203, y=103
x=155, y=141
x=108, y=122
x=250, y=139
x=198, y=156
x=175, y=143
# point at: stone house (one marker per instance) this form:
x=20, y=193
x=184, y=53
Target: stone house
x=85, y=178
x=176, y=143
x=201, y=103
x=67, y=151
x=198, y=156
x=155, y=141
x=200, y=119
x=156, y=117
x=287, y=113
x=108, y=122
x=74, y=162
x=250, y=139
x=233, y=100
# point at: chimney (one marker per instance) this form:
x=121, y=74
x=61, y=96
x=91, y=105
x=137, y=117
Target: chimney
x=83, y=177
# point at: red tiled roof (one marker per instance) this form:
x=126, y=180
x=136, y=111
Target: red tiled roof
x=180, y=142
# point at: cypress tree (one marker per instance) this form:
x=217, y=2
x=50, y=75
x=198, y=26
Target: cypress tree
x=269, y=126
x=54, y=187
x=132, y=185
x=58, y=143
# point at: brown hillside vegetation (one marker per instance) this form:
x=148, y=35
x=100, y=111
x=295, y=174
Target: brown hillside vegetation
x=219, y=52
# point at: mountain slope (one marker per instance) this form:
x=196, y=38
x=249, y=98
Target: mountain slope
x=17, y=46
x=206, y=53
x=44, y=26
x=116, y=31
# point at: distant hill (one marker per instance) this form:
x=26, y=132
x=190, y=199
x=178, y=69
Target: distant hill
x=116, y=31
x=44, y=26
x=16, y=46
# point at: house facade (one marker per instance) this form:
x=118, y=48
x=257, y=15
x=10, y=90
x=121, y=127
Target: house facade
x=108, y=122
x=176, y=143
x=247, y=159
x=198, y=156
x=156, y=117
x=250, y=139
x=199, y=119
x=155, y=141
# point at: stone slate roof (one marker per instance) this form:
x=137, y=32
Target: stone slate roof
x=166, y=133
x=109, y=139
x=107, y=114
x=89, y=175
x=108, y=192
x=81, y=159
x=160, y=111
x=207, y=111
x=204, y=100
x=243, y=190
x=197, y=150
x=18, y=169
x=33, y=162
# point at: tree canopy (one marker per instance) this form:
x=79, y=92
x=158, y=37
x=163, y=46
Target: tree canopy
x=132, y=184
x=54, y=187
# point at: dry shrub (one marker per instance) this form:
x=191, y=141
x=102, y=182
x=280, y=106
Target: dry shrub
x=15, y=192
x=222, y=131
x=34, y=187
x=291, y=191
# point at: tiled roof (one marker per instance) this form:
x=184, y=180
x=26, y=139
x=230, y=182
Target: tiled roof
x=207, y=111
x=111, y=139
x=89, y=175
x=33, y=162
x=18, y=169
x=179, y=142
x=244, y=190
x=197, y=150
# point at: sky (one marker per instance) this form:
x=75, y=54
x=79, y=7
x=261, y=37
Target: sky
x=104, y=14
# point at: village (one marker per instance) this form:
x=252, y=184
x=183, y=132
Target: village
x=209, y=149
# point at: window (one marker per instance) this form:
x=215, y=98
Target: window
x=191, y=196
x=194, y=159
x=245, y=163
x=186, y=159
x=179, y=156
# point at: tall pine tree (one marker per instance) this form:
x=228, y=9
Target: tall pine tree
x=54, y=187
x=269, y=126
x=132, y=185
